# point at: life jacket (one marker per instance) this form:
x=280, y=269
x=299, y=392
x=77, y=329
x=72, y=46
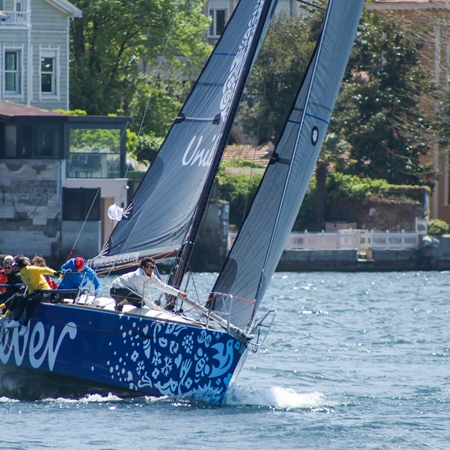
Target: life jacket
x=3, y=279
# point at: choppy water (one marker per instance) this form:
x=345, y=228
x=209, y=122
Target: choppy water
x=353, y=361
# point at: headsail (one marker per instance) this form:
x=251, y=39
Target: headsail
x=161, y=212
x=260, y=243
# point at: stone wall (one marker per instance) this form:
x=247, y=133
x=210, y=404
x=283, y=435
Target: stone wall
x=30, y=211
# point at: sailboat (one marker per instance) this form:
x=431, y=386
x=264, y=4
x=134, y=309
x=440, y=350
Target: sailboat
x=157, y=352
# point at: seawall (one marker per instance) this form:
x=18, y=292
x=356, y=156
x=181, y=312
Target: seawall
x=425, y=258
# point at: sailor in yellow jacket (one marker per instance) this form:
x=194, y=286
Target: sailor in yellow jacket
x=33, y=277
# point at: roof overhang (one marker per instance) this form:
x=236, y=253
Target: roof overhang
x=67, y=7
x=16, y=111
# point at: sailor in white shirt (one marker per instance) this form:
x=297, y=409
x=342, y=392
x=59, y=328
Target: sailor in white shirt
x=133, y=287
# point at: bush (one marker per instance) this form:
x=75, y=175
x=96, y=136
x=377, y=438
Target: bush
x=437, y=227
x=239, y=190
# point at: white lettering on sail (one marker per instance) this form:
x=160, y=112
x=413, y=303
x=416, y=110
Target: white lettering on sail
x=237, y=66
x=200, y=156
x=203, y=157
x=37, y=345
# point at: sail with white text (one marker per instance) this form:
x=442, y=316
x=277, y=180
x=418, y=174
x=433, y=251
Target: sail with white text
x=162, y=210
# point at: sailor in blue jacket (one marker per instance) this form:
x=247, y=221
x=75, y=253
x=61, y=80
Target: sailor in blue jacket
x=76, y=275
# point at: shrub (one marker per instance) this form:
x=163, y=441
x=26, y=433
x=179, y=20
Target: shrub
x=437, y=227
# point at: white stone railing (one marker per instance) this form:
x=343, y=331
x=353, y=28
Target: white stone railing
x=8, y=18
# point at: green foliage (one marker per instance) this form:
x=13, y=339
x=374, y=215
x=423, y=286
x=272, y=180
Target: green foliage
x=352, y=187
x=342, y=189
x=437, y=227
x=306, y=219
x=147, y=146
x=276, y=76
x=72, y=112
x=378, y=110
x=239, y=190
x=379, y=129
x=239, y=162
x=155, y=106
x=98, y=140
x=116, y=39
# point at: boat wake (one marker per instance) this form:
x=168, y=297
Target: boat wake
x=22, y=385
x=277, y=397
x=19, y=384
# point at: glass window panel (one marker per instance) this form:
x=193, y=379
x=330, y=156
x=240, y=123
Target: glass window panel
x=46, y=83
x=220, y=21
x=218, y=18
x=47, y=64
x=12, y=72
x=10, y=141
x=93, y=153
x=48, y=78
x=11, y=60
x=10, y=82
x=47, y=141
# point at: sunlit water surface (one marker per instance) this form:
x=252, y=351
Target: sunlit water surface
x=352, y=361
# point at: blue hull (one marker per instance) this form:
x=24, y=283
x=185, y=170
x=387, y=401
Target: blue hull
x=135, y=353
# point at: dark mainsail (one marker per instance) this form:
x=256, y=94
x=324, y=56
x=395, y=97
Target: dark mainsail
x=260, y=243
x=162, y=210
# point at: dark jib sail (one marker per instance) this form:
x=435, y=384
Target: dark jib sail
x=261, y=240
x=161, y=212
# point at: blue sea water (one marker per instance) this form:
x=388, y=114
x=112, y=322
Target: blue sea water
x=353, y=361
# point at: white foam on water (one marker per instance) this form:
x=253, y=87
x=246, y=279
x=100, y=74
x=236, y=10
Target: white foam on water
x=8, y=400
x=91, y=398
x=278, y=397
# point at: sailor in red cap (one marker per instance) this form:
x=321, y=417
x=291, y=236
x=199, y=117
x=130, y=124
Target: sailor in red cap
x=76, y=275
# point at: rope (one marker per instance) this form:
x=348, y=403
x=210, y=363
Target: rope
x=82, y=227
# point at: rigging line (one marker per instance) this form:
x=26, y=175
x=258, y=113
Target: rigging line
x=84, y=223
x=159, y=68
x=34, y=210
x=312, y=5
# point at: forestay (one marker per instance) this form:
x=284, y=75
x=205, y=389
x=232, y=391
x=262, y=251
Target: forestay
x=161, y=212
x=259, y=245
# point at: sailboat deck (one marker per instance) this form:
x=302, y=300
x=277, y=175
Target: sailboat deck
x=107, y=304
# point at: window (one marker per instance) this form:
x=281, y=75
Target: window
x=29, y=141
x=12, y=72
x=48, y=73
x=81, y=204
x=219, y=17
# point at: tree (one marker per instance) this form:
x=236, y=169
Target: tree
x=116, y=38
x=276, y=76
x=379, y=108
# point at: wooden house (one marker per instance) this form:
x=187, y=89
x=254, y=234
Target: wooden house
x=34, y=46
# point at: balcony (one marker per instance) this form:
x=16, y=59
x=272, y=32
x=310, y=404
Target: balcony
x=14, y=18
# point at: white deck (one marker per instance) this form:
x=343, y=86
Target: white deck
x=107, y=303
